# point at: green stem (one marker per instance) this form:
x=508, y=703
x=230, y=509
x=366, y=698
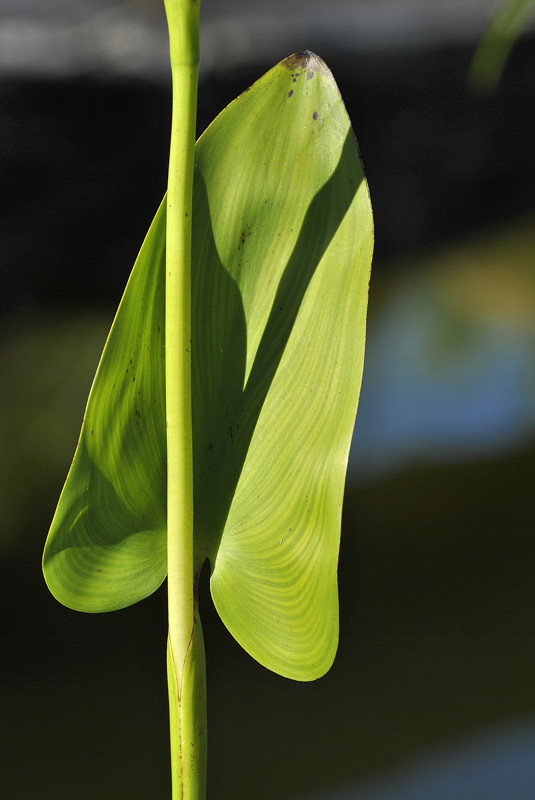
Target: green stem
x=187, y=717
x=185, y=654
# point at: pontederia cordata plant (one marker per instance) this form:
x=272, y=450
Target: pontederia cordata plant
x=219, y=421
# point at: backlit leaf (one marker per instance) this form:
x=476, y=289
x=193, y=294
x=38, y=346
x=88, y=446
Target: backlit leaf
x=107, y=544
x=282, y=241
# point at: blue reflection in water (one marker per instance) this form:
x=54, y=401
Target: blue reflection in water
x=439, y=385
x=497, y=766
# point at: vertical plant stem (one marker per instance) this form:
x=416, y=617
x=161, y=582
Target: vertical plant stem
x=185, y=653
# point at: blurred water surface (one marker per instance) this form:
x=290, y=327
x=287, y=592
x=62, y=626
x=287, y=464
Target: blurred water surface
x=450, y=363
x=495, y=766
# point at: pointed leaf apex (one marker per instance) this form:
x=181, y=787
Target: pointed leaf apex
x=306, y=59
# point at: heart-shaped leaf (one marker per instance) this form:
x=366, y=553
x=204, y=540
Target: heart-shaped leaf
x=282, y=241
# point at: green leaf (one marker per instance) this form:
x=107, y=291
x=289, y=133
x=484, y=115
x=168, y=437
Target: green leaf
x=282, y=242
x=107, y=544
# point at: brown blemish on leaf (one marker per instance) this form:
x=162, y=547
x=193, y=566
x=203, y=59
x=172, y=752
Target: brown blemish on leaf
x=243, y=236
x=315, y=115
x=307, y=61
x=290, y=93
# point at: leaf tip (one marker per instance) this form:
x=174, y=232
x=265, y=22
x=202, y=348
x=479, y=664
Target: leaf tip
x=306, y=60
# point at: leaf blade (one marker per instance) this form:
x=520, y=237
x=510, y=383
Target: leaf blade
x=261, y=423
x=106, y=548
x=281, y=261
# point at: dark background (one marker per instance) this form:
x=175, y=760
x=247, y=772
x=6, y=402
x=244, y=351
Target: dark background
x=437, y=583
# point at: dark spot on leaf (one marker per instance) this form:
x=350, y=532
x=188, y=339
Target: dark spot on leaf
x=315, y=115
x=243, y=236
x=290, y=93
x=306, y=60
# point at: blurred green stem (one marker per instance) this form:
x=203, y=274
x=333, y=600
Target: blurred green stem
x=185, y=659
x=496, y=44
